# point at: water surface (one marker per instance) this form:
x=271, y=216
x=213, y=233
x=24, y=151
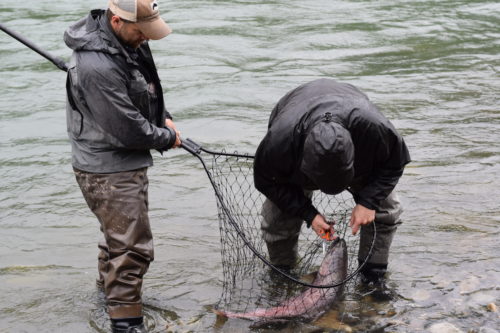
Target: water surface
x=431, y=66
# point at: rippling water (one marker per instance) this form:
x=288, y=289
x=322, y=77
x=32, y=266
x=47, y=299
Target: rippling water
x=431, y=66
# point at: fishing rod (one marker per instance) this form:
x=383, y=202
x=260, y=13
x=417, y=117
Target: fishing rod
x=60, y=63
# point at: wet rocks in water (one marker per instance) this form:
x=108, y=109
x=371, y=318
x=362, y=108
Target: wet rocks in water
x=492, y=307
x=469, y=285
x=444, y=328
x=484, y=330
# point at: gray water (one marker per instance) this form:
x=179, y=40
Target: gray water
x=431, y=66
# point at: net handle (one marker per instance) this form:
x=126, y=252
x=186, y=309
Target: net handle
x=196, y=150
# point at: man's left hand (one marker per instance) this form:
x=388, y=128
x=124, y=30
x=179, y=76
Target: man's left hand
x=170, y=123
x=361, y=216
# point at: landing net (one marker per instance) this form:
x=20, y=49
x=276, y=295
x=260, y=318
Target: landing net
x=250, y=281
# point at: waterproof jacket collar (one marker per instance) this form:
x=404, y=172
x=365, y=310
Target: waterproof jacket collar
x=94, y=33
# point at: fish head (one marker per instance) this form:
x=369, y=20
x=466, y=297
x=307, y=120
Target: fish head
x=334, y=264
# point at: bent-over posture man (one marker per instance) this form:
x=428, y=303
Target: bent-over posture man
x=115, y=115
x=327, y=135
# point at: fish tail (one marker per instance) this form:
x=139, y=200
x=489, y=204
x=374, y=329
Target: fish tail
x=259, y=313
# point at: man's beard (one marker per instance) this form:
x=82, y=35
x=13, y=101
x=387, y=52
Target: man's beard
x=122, y=37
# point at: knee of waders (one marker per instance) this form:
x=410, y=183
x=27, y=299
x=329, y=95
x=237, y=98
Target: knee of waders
x=371, y=272
x=283, y=253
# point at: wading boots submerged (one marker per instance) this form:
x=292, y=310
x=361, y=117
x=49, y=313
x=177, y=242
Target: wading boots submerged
x=128, y=325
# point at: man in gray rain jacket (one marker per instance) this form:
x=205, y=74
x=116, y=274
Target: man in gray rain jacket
x=115, y=115
x=327, y=135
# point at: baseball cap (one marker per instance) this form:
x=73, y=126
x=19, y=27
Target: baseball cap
x=328, y=157
x=143, y=12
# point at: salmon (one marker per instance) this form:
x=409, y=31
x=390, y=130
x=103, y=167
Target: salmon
x=313, y=302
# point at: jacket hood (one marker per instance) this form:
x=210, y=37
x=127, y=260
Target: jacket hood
x=92, y=33
x=328, y=156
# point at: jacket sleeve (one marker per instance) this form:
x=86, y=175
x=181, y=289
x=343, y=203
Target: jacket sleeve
x=105, y=91
x=168, y=115
x=392, y=157
x=289, y=197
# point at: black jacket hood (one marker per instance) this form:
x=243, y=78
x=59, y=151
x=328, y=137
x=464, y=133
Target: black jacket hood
x=328, y=156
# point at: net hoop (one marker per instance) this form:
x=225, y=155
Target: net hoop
x=196, y=150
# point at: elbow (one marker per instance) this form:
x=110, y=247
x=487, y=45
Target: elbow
x=258, y=184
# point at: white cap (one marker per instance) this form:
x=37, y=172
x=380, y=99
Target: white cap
x=143, y=12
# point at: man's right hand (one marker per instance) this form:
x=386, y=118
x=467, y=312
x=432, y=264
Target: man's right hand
x=361, y=216
x=320, y=226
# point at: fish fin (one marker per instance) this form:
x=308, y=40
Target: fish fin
x=220, y=313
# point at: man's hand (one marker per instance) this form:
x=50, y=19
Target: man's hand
x=320, y=226
x=170, y=123
x=360, y=216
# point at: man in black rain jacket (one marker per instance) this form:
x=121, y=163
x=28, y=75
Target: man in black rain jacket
x=327, y=135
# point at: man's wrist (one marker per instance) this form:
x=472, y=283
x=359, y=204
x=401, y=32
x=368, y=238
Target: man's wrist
x=172, y=137
x=309, y=216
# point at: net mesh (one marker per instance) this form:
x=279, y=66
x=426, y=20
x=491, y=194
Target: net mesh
x=249, y=284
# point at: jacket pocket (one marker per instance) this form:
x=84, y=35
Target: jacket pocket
x=74, y=116
x=75, y=122
x=138, y=93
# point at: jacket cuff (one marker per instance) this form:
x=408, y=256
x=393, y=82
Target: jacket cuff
x=367, y=204
x=309, y=215
x=172, y=135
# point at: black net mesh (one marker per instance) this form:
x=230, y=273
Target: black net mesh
x=255, y=289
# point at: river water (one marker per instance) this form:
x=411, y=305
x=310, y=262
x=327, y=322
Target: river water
x=431, y=66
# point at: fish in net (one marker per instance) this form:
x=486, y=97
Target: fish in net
x=255, y=289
